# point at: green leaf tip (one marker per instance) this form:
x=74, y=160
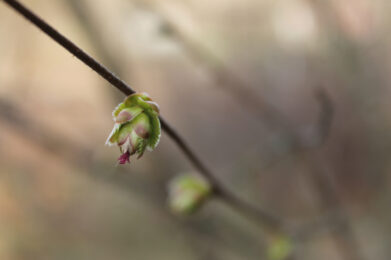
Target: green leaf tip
x=136, y=127
x=187, y=193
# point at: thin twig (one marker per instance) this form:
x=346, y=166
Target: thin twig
x=271, y=222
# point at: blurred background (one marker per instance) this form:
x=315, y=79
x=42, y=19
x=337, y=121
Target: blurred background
x=287, y=101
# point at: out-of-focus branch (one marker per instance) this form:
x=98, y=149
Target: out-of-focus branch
x=326, y=188
x=71, y=150
x=72, y=153
x=223, y=76
x=270, y=222
x=80, y=10
x=325, y=118
x=229, y=81
x=327, y=191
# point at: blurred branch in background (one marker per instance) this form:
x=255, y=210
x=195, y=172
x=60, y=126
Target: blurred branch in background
x=81, y=11
x=228, y=80
x=72, y=151
x=80, y=157
x=223, y=76
x=320, y=177
x=324, y=186
x=74, y=154
x=271, y=223
x=343, y=236
x=325, y=117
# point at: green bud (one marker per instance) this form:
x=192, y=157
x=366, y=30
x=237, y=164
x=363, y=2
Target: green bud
x=187, y=193
x=280, y=248
x=137, y=126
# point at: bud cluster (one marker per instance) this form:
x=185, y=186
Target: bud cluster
x=137, y=126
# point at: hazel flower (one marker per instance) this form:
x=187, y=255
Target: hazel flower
x=187, y=193
x=136, y=128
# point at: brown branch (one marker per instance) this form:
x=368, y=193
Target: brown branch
x=273, y=223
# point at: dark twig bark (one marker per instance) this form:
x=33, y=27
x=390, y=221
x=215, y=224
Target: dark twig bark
x=271, y=222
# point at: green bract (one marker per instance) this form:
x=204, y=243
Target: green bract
x=187, y=193
x=137, y=126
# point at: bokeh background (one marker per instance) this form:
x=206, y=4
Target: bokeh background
x=240, y=80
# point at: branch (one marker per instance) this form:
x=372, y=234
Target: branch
x=267, y=220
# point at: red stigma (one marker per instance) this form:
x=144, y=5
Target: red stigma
x=124, y=158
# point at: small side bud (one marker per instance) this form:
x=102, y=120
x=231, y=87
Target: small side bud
x=187, y=193
x=280, y=248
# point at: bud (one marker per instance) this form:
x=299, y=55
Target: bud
x=187, y=193
x=280, y=248
x=137, y=126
